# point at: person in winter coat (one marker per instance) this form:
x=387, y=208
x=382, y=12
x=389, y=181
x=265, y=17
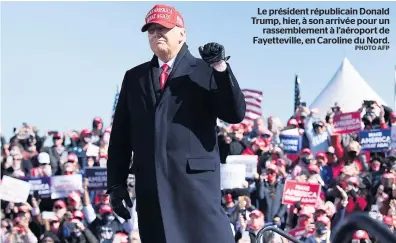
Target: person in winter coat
x=270, y=191
x=166, y=115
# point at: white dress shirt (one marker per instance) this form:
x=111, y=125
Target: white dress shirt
x=170, y=65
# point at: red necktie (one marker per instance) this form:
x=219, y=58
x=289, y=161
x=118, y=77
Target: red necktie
x=163, y=76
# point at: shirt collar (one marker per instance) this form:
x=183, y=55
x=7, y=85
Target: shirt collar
x=170, y=63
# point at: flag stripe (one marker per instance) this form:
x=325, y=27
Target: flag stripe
x=253, y=104
x=257, y=92
x=253, y=99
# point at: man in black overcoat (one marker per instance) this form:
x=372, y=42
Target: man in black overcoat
x=166, y=115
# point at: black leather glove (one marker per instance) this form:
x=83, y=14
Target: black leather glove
x=213, y=52
x=117, y=195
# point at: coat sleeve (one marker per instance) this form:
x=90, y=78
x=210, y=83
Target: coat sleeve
x=120, y=146
x=228, y=99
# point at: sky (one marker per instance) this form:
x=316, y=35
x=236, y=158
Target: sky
x=62, y=61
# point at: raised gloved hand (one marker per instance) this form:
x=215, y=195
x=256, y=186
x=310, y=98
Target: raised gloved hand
x=117, y=196
x=213, y=53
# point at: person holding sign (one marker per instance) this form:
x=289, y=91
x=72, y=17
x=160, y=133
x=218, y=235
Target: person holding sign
x=166, y=115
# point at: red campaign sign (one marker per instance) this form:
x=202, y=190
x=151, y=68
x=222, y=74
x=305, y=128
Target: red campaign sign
x=298, y=232
x=306, y=193
x=347, y=123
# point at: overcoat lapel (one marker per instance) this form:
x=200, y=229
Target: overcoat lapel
x=182, y=67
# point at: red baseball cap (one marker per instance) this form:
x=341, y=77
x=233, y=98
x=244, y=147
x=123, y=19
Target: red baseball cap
x=388, y=220
x=360, y=235
x=164, y=15
x=256, y=213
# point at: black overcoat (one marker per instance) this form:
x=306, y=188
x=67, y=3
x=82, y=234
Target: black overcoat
x=175, y=153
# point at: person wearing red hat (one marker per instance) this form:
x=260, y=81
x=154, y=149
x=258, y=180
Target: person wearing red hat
x=100, y=217
x=97, y=131
x=304, y=161
x=270, y=191
x=257, y=146
x=321, y=233
x=361, y=236
x=59, y=208
x=166, y=115
x=251, y=226
x=229, y=205
x=356, y=199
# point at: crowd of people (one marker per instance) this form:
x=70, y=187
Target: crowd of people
x=82, y=216
x=351, y=179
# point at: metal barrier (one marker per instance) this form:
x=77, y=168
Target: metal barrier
x=275, y=229
x=361, y=221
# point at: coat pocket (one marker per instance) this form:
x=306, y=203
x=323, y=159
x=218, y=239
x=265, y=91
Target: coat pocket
x=201, y=164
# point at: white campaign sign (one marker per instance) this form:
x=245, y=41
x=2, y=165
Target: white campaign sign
x=62, y=185
x=232, y=175
x=92, y=150
x=249, y=160
x=14, y=190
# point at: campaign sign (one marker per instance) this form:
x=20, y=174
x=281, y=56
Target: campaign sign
x=375, y=140
x=346, y=123
x=249, y=160
x=306, y=193
x=14, y=190
x=232, y=175
x=62, y=185
x=40, y=184
x=291, y=144
x=97, y=178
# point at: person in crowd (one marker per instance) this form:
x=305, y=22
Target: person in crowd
x=56, y=151
x=270, y=192
x=361, y=236
x=305, y=159
x=105, y=224
x=97, y=131
x=44, y=168
x=318, y=133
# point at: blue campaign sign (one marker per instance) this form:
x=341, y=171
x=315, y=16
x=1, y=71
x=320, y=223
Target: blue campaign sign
x=375, y=140
x=291, y=144
x=97, y=178
x=40, y=184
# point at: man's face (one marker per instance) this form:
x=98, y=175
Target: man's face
x=257, y=221
x=375, y=165
x=59, y=211
x=319, y=128
x=99, y=126
x=58, y=141
x=164, y=41
x=330, y=158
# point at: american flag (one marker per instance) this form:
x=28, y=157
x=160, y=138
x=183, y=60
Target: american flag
x=253, y=99
x=115, y=101
x=297, y=95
